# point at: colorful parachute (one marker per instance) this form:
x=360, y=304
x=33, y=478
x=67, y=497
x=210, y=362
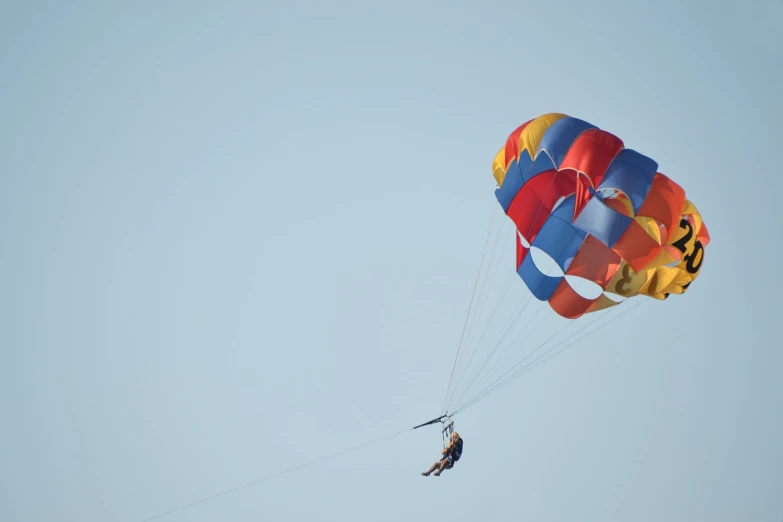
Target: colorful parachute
x=601, y=211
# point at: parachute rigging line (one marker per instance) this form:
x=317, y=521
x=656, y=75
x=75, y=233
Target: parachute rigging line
x=278, y=474
x=471, y=349
x=552, y=352
x=494, y=213
x=455, y=392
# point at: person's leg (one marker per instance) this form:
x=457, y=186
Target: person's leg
x=433, y=468
x=444, y=464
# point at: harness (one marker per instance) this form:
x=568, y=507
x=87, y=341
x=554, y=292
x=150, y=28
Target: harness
x=448, y=428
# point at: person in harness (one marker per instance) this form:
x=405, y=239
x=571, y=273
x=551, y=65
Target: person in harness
x=451, y=455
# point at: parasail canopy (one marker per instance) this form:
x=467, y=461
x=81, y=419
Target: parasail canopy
x=599, y=211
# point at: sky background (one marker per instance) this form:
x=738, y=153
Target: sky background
x=240, y=236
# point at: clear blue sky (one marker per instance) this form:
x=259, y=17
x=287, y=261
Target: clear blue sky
x=238, y=237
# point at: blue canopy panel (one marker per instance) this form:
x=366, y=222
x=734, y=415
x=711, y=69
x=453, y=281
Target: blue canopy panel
x=518, y=173
x=560, y=240
x=602, y=221
x=513, y=182
x=560, y=136
x=631, y=173
x=543, y=163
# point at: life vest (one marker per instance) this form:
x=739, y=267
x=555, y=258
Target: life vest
x=456, y=450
